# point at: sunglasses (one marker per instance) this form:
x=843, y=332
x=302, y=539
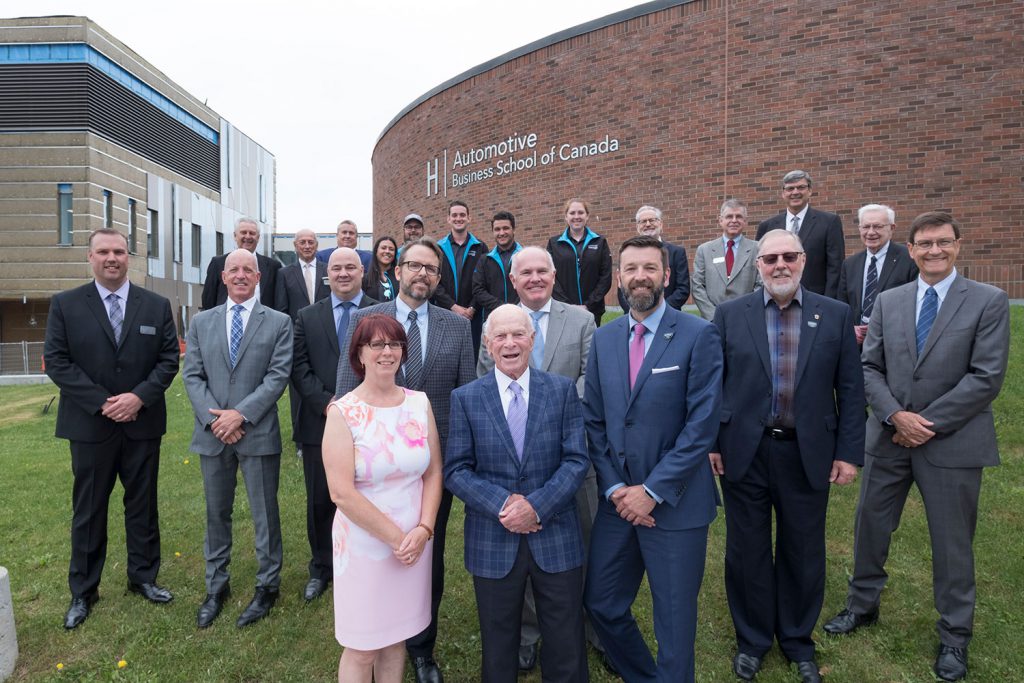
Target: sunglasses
x=788, y=257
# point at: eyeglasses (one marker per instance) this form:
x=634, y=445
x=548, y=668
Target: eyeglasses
x=796, y=188
x=645, y=221
x=788, y=257
x=416, y=266
x=379, y=344
x=877, y=227
x=926, y=245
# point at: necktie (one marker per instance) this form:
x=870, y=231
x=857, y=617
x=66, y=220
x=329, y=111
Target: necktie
x=870, y=290
x=537, y=355
x=236, y=332
x=636, y=353
x=310, y=270
x=730, y=257
x=414, y=355
x=929, y=309
x=346, y=311
x=517, y=418
x=795, y=223
x=116, y=316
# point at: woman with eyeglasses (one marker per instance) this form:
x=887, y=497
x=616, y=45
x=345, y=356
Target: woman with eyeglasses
x=583, y=262
x=379, y=282
x=383, y=463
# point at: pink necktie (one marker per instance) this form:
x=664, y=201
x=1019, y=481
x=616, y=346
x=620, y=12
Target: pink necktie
x=636, y=353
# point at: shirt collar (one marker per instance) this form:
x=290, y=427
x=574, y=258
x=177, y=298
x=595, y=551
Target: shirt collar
x=802, y=214
x=798, y=297
x=335, y=301
x=504, y=380
x=880, y=256
x=735, y=240
x=248, y=304
x=307, y=263
x=652, y=322
x=941, y=287
x=122, y=291
x=402, y=308
x=546, y=308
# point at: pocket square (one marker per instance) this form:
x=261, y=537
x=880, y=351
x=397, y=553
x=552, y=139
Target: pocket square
x=147, y=329
x=658, y=371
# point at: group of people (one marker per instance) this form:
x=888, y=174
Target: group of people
x=585, y=457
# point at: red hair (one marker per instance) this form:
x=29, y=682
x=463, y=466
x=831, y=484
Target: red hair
x=367, y=329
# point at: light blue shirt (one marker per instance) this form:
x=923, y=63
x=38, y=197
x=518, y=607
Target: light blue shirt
x=941, y=288
x=336, y=306
x=402, y=315
x=122, y=297
x=246, y=312
x=735, y=243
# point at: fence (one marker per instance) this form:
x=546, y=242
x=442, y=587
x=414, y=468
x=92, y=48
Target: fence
x=21, y=358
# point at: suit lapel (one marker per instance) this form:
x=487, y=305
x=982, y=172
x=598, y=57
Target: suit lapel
x=744, y=252
x=492, y=404
x=955, y=298
x=436, y=330
x=756, y=323
x=718, y=252
x=539, y=395
x=856, y=283
x=134, y=303
x=807, y=226
x=620, y=338
x=556, y=324
x=99, y=309
x=320, y=290
x=220, y=333
x=910, y=322
x=327, y=318
x=891, y=259
x=810, y=321
x=662, y=336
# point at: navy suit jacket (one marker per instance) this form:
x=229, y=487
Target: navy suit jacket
x=898, y=269
x=324, y=256
x=482, y=468
x=828, y=399
x=678, y=289
x=215, y=293
x=822, y=236
x=659, y=434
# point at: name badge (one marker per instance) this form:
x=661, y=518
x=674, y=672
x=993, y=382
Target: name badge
x=592, y=246
x=718, y=259
x=147, y=329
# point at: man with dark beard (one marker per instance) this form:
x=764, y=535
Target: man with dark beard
x=651, y=421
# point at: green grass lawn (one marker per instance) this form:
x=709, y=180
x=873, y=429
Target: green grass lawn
x=161, y=643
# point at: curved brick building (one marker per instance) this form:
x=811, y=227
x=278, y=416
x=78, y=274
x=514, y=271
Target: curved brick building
x=682, y=104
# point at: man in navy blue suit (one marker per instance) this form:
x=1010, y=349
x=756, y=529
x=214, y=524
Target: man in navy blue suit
x=792, y=423
x=653, y=389
x=516, y=456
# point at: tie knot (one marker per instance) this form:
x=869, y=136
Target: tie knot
x=347, y=304
x=931, y=292
x=238, y=308
x=536, y=315
x=413, y=315
x=516, y=389
x=112, y=298
x=639, y=330
x=731, y=243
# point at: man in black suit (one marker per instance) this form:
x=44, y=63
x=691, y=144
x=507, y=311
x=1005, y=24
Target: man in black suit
x=319, y=331
x=883, y=265
x=112, y=349
x=247, y=236
x=677, y=291
x=820, y=232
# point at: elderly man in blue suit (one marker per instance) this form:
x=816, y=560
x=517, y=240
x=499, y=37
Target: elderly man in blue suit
x=516, y=456
x=651, y=403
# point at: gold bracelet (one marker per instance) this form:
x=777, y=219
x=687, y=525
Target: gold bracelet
x=430, y=532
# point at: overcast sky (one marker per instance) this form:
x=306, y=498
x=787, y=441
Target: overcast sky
x=316, y=82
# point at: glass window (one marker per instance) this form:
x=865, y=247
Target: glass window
x=197, y=245
x=108, y=209
x=65, y=214
x=133, y=228
x=153, y=238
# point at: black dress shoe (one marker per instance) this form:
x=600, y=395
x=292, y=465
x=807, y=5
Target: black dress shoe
x=151, y=592
x=846, y=622
x=527, y=657
x=808, y=671
x=258, y=607
x=314, y=589
x=951, y=664
x=79, y=610
x=211, y=607
x=746, y=666
x=427, y=670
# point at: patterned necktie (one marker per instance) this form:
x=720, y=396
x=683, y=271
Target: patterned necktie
x=730, y=257
x=236, y=332
x=870, y=290
x=414, y=355
x=795, y=229
x=636, y=353
x=537, y=355
x=309, y=269
x=346, y=313
x=929, y=309
x=116, y=316
x=517, y=418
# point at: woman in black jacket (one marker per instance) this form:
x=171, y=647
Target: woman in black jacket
x=583, y=262
x=379, y=282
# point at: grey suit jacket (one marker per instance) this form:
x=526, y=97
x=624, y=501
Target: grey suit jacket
x=566, y=346
x=252, y=387
x=711, y=286
x=952, y=383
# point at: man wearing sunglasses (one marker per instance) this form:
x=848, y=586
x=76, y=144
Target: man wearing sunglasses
x=792, y=422
x=820, y=232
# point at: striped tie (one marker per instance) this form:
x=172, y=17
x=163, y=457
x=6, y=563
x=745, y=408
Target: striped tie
x=537, y=355
x=116, y=316
x=414, y=354
x=870, y=290
x=795, y=225
x=929, y=309
x=236, y=332
x=517, y=418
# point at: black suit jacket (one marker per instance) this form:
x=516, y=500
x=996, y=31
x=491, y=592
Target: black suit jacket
x=290, y=291
x=822, y=235
x=88, y=367
x=898, y=269
x=315, y=366
x=678, y=289
x=215, y=293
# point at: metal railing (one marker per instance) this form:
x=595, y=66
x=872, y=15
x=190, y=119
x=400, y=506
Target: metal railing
x=21, y=358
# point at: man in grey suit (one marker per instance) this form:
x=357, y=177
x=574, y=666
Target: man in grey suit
x=725, y=267
x=562, y=335
x=436, y=367
x=237, y=362
x=934, y=359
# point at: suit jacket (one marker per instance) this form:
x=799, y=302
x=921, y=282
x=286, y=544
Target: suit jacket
x=678, y=289
x=482, y=468
x=315, y=366
x=290, y=294
x=898, y=269
x=215, y=293
x=252, y=387
x=659, y=434
x=449, y=362
x=88, y=367
x=566, y=346
x=822, y=235
x=324, y=256
x=828, y=398
x=952, y=383
x=711, y=286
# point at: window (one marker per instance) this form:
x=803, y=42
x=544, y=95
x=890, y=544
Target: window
x=133, y=228
x=179, y=241
x=262, y=200
x=197, y=245
x=108, y=209
x=220, y=243
x=65, y=215
x=153, y=238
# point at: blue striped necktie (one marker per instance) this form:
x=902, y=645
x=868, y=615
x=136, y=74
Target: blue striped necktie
x=870, y=289
x=929, y=309
x=537, y=355
x=236, y=332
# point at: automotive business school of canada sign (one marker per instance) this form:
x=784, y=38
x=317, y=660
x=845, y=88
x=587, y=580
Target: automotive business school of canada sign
x=513, y=154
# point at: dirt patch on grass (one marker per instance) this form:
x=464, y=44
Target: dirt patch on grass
x=16, y=411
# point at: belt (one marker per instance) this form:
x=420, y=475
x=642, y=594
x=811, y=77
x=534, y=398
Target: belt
x=780, y=433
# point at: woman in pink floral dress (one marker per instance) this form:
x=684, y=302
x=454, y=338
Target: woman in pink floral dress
x=383, y=463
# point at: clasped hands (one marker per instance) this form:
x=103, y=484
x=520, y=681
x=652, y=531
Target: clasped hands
x=227, y=425
x=122, y=408
x=634, y=505
x=411, y=546
x=518, y=516
x=912, y=430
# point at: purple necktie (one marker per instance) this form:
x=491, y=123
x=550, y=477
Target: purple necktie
x=517, y=418
x=636, y=353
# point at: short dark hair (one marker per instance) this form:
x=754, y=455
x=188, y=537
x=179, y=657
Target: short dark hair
x=368, y=327
x=108, y=231
x=458, y=202
x=933, y=219
x=422, y=242
x=504, y=216
x=645, y=242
